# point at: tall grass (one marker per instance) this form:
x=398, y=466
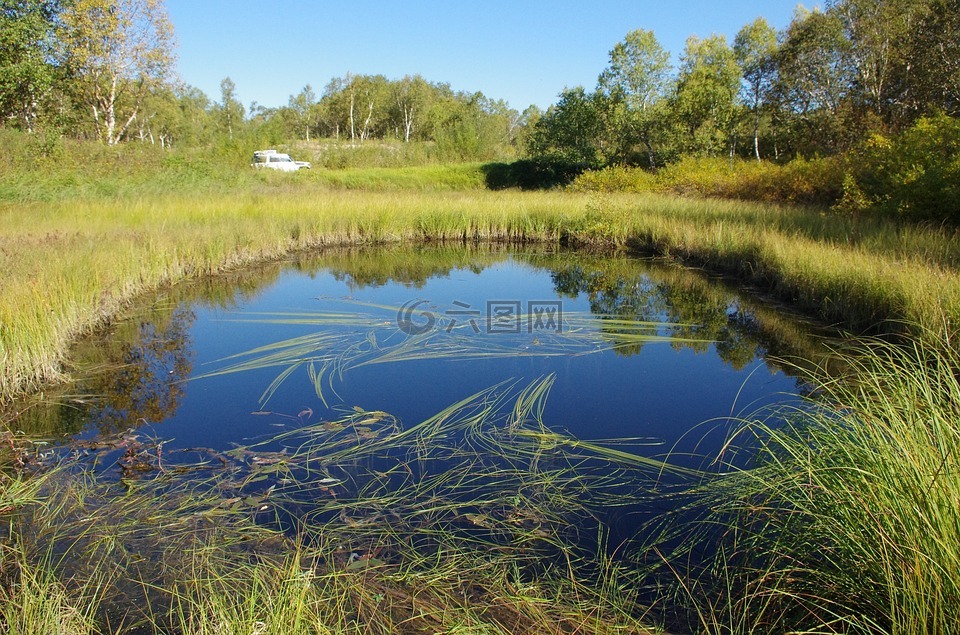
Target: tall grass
x=465, y=522
x=848, y=520
x=35, y=602
x=466, y=176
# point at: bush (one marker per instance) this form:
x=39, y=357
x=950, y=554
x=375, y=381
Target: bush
x=915, y=175
x=816, y=181
x=615, y=179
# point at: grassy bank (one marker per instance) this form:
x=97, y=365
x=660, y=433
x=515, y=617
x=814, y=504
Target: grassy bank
x=847, y=521
x=71, y=263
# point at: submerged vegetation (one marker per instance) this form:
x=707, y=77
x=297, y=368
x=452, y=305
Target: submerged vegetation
x=482, y=518
x=479, y=518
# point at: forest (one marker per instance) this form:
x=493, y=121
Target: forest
x=105, y=69
x=873, y=82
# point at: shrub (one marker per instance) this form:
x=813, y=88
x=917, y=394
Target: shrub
x=915, y=175
x=615, y=179
x=815, y=181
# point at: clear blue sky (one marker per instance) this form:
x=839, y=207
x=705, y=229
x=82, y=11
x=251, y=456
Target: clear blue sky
x=522, y=51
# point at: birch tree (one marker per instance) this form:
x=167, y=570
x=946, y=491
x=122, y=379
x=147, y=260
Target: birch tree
x=638, y=77
x=814, y=82
x=115, y=51
x=302, y=106
x=229, y=112
x=880, y=33
x=755, y=48
x=410, y=96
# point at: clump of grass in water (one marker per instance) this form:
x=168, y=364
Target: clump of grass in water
x=474, y=518
x=849, y=522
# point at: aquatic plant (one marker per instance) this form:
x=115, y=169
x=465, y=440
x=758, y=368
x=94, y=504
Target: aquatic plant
x=364, y=334
x=477, y=515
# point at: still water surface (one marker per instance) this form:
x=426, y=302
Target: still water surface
x=637, y=349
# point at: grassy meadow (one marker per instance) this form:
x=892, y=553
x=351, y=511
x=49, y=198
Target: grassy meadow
x=846, y=522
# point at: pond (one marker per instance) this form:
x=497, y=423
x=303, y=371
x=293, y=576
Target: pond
x=638, y=347
x=412, y=410
x=640, y=358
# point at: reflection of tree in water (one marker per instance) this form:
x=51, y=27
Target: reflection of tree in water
x=702, y=313
x=700, y=316
x=613, y=297
x=149, y=383
x=409, y=266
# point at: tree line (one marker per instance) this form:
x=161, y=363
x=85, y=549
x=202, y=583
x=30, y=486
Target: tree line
x=819, y=87
x=104, y=69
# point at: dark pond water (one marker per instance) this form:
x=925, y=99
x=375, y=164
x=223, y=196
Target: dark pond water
x=638, y=348
x=659, y=357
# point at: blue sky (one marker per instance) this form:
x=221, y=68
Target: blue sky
x=522, y=51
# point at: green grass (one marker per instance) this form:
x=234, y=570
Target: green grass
x=384, y=540
x=847, y=521
x=468, y=176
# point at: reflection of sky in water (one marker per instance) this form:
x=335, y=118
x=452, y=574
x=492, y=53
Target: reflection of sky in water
x=664, y=392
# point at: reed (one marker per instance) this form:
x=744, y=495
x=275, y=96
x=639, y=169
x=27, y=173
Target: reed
x=36, y=602
x=847, y=519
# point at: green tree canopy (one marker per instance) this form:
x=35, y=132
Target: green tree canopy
x=705, y=105
x=814, y=83
x=638, y=77
x=26, y=58
x=570, y=130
